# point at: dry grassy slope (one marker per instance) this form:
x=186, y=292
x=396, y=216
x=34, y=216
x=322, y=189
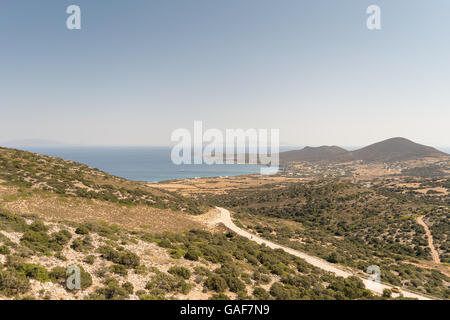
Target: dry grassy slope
x=37, y=172
x=139, y=217
x=56, y=190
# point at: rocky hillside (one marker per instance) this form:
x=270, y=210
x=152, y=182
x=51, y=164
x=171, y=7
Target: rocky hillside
x=118, y=264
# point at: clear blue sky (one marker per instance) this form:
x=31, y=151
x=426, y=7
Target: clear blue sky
x=140, y=69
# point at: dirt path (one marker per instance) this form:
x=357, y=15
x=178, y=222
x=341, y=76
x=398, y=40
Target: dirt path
x=434, y=253
x=376, y=287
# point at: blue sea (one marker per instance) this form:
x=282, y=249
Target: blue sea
x=150, y=164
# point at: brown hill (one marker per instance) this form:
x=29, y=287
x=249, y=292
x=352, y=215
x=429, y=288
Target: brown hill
x=394, y=149
x=323, y=153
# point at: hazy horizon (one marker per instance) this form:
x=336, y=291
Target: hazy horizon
x=137, y=71
x=35, y=145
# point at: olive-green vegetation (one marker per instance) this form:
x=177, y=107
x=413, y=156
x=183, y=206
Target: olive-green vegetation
x=439, y=222
x=112, y=290
x=433, y=170
x=60, y=275
x=244, y=266
x=222, y=264
x=344, y=224
x=438, y=192
x=437, y=217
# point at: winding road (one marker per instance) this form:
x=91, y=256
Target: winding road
x=434, y=253
x=376, y=287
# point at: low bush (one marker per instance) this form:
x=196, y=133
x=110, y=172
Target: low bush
x=13, y=283
x=162, y=283
x=181, y=272
x=60, y=275
x=61, y=237
x=118, y=269
x=82, y=230
x=36, y=271
x=260, y=294
x=111, y=291
x=216, y=283
x=124, y=257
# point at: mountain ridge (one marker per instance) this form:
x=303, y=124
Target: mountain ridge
x=312, y=153
x=390, y=150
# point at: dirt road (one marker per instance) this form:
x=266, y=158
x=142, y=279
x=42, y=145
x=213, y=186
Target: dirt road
x=434, y=253
x=376, y=287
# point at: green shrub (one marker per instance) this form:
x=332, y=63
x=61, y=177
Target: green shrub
x=141, y=269
x=124, y=257
x=177, y=253
x=86, y=279
x=333, y=257
x=118, y=269
x=278, y=291
x=36, y=271
x=260, y=294
x=60, y=256
x=146, y=296
x=193, y=255
x=202, y=271
x=13, y=282
x=111, y=291
x=82, y=244
x=59, y=275
x=90, y=259
x=128, y=286
x=61, y=237
x=12, y=222
x=234, y=283
x=260, y=277
x=164, y=243
x=4, y=250
x=162, y=283
x=82, y=230
x=38, y=226
x=105, y=230
x=180, y=272
x=14, y=262
x=128, y=259
x=216, y=283
x=38, y=240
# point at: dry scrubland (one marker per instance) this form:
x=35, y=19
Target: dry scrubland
x=153, y=241
x=131, y=242
x=119, y=264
